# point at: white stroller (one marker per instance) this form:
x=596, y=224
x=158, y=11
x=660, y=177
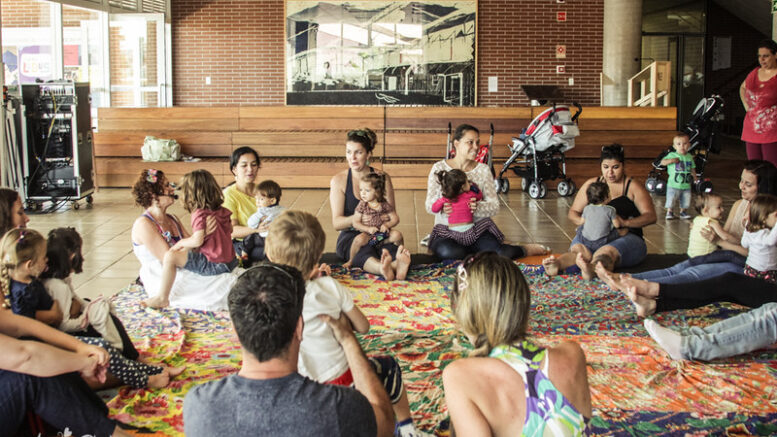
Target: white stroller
x=538, y=154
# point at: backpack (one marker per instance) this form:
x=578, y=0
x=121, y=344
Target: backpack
x=158, y=149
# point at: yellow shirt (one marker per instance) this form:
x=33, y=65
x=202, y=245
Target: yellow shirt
x=242, y=205
x=698, y=245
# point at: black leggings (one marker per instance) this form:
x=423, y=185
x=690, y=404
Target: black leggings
x=446, y=248
x=730, y=287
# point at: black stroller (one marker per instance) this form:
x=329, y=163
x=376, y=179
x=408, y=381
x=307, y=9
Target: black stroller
x=702, y=130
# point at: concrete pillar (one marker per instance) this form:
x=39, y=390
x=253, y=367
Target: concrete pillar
x=622, y=44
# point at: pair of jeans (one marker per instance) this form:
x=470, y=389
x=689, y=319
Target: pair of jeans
x=697, y=268
x=737, y=335
x=62, y=401
x=446, y=248
x=683, y=197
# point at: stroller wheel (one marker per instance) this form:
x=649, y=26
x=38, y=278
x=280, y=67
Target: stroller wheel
x=524, y=184
x=650, y=184
x=565, y=188
x=503, y=185
x=660, y=187
x=703, y=186
x=537, y=190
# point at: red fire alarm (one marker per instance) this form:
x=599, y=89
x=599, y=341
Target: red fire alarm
x=560, y=69
x=561, y=16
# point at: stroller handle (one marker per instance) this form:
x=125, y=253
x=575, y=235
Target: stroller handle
x=578, y=112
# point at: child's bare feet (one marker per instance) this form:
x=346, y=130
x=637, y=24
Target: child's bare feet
x=644, y=288
x=348, y=264
x=536, y=249
x=163, y=378
x=585, y=267
x=385, y=265
x=551, y=265
x=157, y=301
x=403, y=262
x=645, y=306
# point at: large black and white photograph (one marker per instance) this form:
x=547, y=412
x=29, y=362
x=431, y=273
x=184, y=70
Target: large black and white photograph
x=381, y=52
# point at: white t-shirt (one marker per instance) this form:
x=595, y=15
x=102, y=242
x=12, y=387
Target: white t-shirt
x=321, y=357
x=761, y=249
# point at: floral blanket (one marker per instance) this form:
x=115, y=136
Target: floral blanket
x=636, y=389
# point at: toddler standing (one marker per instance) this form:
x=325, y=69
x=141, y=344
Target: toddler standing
x=203, y=198
x=268, y=197
x=680, y=168
x=760, y=239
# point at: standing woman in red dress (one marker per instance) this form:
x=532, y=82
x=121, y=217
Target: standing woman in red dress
x=759, y=97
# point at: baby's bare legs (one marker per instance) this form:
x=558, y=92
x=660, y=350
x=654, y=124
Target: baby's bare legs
x=396, y=237
x=173, y=259
x=358, y=242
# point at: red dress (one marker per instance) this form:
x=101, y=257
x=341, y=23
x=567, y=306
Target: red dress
x=760, y=126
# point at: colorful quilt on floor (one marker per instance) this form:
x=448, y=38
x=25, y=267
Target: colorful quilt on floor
x=636, y=389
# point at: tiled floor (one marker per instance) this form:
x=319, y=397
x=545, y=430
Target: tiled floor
x=110, y=265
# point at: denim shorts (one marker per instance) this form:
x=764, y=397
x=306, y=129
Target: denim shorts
x=673, y=194
x=593, y=245
x=198, y=263
x=632, y=249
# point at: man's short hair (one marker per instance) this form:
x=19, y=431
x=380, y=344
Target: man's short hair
x=296, y=238
x=265, y=304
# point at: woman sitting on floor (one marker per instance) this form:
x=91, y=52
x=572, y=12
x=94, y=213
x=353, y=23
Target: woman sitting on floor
x=758, y=177
x=446, y=243
x=634, y=207
x=389, y=260
x=11, y=211
x=155, y=231
x=510, y=386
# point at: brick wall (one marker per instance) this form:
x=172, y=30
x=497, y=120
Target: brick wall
x=240, y=45
x=24, y=13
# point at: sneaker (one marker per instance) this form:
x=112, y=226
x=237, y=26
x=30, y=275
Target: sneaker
x=409, y=430
x=669, y=215
x=685, y=216
x=425, y=241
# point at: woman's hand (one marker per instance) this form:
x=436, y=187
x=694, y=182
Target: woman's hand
x=447, y=208
x=384, y=228
x=473, y=205
x=709, y=234
x=98, y=353
x=264, y=226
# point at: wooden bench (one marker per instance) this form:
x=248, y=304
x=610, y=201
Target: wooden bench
x=302, y=147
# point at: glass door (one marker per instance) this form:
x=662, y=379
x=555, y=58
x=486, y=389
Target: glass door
x=137, y=58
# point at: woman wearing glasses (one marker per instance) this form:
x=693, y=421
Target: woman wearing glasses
x=484, y=235
x=632, y=204
x=388, y=260
x=510, y=386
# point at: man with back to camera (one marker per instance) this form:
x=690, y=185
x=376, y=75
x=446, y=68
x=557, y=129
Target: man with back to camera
x=267, y=396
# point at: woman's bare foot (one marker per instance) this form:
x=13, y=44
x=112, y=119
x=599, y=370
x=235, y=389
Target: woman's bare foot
x=645, y=306
x=644, y=288
x=403, y=262
x=551, y=265
x=348, y=264
x=159, y=380
x=385, y=265
x=611, y=279
x=155, y=302
x=536, y=249
x=585, y=267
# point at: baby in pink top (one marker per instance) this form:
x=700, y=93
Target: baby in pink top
x=459, y=192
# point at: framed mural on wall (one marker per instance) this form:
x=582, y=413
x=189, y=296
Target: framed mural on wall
x=376, y=52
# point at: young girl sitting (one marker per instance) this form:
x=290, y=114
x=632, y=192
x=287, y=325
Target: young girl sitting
x=368, y=216
x=459, y=193
x=23, y=252
x=710, y=209
x=202, y=197
x=760, y=238
x=93, y=319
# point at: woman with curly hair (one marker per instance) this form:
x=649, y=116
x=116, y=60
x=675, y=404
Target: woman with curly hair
x=155, y=232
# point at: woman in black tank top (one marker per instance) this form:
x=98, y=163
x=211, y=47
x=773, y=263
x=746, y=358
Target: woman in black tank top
x=390, y=260
x=634, y=207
